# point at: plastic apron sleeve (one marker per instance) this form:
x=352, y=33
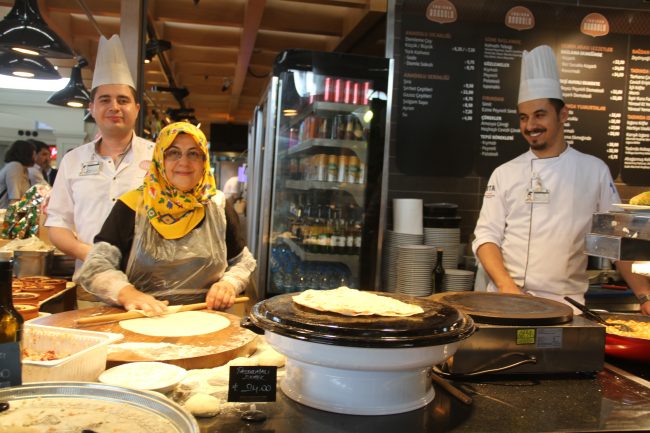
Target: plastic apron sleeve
x=179, y=270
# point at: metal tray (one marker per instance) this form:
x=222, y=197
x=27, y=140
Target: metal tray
x=184, y=422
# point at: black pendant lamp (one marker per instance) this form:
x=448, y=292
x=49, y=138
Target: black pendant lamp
x=74, y=94
x=18, y=65
x=25, y=31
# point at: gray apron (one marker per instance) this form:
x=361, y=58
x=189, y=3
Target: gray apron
x=180, y=271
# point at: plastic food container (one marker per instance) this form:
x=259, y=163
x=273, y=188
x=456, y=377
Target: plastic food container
x=85, y=350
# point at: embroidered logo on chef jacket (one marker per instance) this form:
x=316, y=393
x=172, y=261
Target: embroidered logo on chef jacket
x=490, y=191
x=90, y=168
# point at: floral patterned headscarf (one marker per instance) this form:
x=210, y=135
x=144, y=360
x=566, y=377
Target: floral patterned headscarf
x=175, y=213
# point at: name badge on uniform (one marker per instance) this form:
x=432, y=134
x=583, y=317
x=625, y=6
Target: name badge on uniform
x=90, y=168
x=538, y=196
x=537, y=193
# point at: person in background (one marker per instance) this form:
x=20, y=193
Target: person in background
x=38, y=171
x=93, y=176
x=14, y=178
x=174, y=240
x=231, y=188
x=537, y=208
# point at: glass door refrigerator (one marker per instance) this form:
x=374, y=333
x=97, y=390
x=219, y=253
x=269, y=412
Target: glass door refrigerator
x=315, y=171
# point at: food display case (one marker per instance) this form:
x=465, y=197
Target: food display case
x=316, y=160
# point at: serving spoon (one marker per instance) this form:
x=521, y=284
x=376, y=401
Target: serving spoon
x=592, y=315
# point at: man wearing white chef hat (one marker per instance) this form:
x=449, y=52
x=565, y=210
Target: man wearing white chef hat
x=537, y=208
x=93, y=176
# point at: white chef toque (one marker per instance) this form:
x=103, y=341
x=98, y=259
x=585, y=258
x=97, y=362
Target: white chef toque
x=111, y=66
x=539, y=75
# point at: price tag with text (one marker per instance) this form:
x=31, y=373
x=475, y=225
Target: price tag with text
x=250, y=384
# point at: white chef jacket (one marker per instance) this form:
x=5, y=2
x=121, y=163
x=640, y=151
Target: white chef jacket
x=82, y=202
x=35, y=173
x=543, y=243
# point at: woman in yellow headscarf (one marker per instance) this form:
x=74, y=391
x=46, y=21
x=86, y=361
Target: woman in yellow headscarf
x=175, y=240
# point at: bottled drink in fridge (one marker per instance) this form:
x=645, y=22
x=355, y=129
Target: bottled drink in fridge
x=11, y=327
x=438, y=272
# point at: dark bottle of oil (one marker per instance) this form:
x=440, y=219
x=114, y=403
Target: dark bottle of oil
x=438, y=272
x=11, y=327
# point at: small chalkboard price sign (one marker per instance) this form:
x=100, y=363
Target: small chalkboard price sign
x=10, y=369
x=249, y=384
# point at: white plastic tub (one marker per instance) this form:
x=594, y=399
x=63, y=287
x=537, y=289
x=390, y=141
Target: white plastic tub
x=85, y=353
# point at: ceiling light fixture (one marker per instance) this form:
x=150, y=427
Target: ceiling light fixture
x=88, y=118
x=155, y=46
x=24, y=30
x=227, y=82
x=74, y=94
x=18, y=65
x=179, y=93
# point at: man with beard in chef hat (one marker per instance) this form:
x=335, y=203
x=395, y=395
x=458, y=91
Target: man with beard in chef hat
x=538, y=207
x=93, y=176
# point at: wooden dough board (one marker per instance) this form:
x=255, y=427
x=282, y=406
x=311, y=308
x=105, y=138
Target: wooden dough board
x=226, y=344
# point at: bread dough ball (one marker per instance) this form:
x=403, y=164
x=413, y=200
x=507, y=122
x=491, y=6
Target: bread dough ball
x=271, y=358
x=220, y=376
x=203, y=405
x=243, y=362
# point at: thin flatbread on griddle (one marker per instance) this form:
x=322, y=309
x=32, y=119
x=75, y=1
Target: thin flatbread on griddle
x=352, y=302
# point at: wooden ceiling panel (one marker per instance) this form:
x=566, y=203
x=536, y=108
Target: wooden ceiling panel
x=216, y=42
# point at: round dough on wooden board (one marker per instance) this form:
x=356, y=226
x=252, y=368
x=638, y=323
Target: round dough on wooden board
x=183, y=324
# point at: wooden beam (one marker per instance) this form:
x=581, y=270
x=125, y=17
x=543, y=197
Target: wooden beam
x=252, y=20
x=132, y=34
x=340, y=3
x=357, y=24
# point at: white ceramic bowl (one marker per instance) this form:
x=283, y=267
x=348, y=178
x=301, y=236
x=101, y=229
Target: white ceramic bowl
x=146, y=376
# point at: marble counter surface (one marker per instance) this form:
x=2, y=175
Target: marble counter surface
x=607, y=401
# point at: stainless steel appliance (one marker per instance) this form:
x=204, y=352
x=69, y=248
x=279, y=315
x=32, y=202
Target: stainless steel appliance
x=520, y=334
x=315, y=167
x=360, y=365
x=620, y=236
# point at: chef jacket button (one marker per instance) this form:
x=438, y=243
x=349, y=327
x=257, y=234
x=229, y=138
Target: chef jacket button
x=113, y=199
x=115, y=178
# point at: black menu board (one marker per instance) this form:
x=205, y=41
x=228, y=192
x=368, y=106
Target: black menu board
x=499, y=137
x=592, y=73
x=436, y=97
x=636, y=150
x=457, y=81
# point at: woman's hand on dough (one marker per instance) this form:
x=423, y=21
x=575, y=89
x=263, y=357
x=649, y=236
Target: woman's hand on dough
x=133, y=299
x=220, y=296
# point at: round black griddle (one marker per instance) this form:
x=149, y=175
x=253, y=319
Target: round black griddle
x=507, y=309
x=439, y=324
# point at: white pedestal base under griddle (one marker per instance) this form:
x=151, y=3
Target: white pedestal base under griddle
x=357, y=380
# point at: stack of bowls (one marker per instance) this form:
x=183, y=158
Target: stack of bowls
x=457, y=280
x=392, y=241
x=414, y=268
x=442, y=230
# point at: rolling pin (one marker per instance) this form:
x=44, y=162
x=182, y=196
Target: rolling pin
x=105, y=318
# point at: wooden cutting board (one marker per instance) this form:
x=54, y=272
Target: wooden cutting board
x=216, y=348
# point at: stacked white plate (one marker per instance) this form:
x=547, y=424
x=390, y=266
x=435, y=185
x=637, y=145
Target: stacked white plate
x=414, y=267
x=389, y=260
x=457, y=280
x=449, y=240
